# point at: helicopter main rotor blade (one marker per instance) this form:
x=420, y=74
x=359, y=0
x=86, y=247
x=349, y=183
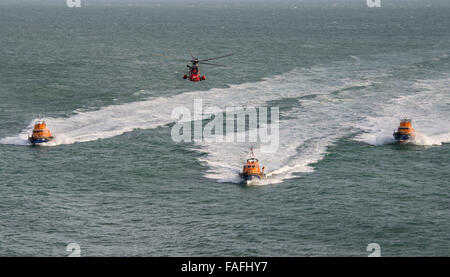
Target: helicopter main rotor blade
x=215, y=64
x=203, y=60
x=192, y=55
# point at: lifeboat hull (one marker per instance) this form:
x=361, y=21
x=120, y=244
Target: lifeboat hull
x=39, y=141
x=251, y=179
x=403, y=138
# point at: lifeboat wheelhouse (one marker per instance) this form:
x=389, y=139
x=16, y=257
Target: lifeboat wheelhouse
x=405, y=132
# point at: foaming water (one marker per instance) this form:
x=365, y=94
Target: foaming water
x=115, y=120
x=303, y=140
x=328, y=114
x=317, y=119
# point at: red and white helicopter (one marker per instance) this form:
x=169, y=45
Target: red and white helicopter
x=193, y=73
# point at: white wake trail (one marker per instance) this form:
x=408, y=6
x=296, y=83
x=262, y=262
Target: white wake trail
x=428, y=108
x=115, y=120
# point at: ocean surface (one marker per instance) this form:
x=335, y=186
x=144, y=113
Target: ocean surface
x=106, y=80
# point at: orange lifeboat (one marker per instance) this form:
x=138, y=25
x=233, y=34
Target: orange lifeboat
x=252, y=170
x=405, y=132
x=40, y=133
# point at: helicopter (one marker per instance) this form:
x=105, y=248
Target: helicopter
x=193, y=73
